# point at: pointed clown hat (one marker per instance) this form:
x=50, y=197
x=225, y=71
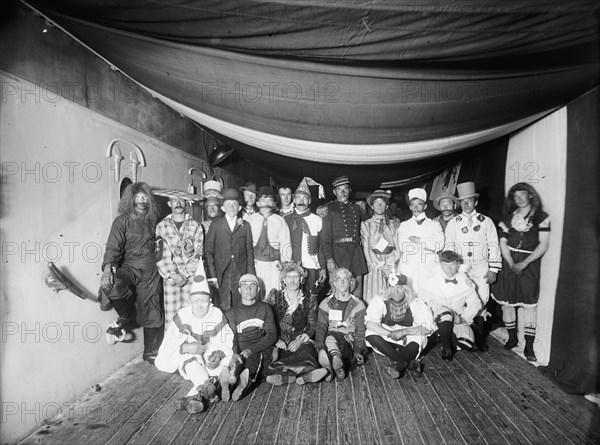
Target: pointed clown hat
x=199, y=282
x=303, y=187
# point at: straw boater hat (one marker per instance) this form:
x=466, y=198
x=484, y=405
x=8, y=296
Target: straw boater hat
x=466, y=190
x=249, y=187
x=342, y=180
x=444, y=195
x=231, y=195
x=174, y=194
x=212, y=189
x=417, y=193
x=385, y=194
x=303, y=187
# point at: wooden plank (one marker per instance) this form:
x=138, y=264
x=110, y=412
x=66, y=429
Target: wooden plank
x=385, y=412
x=232, y=421
x=410, y=408
x=368, y=428
x=272, y=413
x=497, y=405
x=137, y=422
x=327, y=429
x=456, y=383
x=205, y=424
x=438, y=408
x=521, y=396
x=99, y=415
x=288, y=421
x=308, y=422
x=575, y=418
x=248, y=430
x=159, y=419
x=347, y=431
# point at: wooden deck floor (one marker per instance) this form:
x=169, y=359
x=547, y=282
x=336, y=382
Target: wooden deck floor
x=493, y=398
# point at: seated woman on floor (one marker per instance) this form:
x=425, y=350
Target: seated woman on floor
x=199, y=344
x=398, y=324
x=340, y=332
x=294, y=355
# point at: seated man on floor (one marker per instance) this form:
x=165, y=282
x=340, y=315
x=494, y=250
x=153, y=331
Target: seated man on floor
x=340, y=332
x=452, y=297
x=398, y=324
x=255, y=334
x=199, y=344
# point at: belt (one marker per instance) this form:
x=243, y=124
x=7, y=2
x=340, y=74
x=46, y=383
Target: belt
x=519, y=250
x=348, y=239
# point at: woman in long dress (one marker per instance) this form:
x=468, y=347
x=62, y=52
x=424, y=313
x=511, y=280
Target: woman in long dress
x=378, y=234
x=524, y=237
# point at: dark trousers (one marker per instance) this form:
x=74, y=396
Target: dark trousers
x=396, y=353
x=229, y=295
x=137, y=295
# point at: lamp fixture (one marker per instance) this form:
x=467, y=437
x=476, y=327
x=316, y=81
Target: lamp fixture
x=218, y=154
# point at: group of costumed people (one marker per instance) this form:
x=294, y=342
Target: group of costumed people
x=237, y=300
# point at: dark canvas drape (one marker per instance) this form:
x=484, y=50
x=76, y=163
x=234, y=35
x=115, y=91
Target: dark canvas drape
x=438, y=75
x=574, y=356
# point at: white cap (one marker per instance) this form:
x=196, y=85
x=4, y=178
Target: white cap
x=417, y=193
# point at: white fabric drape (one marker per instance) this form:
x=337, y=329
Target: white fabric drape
x=537, y=155
x=347, y=153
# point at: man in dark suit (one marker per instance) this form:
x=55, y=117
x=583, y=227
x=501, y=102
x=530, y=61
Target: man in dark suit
x=228, y=251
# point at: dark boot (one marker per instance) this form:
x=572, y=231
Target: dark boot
x=151, y=335
x=512, y=339
x=528, y=351
x=480, y=334
x=445, y=331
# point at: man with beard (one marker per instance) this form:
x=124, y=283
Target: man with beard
x=285, y=199
x=271, y=239
x=305, y=230
x=130, y=277
x=182, y=242
x=446, y=204
x=341, y=235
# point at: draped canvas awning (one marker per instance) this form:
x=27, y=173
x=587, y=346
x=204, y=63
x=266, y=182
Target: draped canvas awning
x=347, y=82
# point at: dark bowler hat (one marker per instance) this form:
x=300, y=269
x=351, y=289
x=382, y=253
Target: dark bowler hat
x=231, y=195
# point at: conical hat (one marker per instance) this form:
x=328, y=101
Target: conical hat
x=303, y=187
x=199, y=282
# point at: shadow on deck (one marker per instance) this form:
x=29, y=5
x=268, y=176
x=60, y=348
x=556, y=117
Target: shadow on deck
x=494, y=397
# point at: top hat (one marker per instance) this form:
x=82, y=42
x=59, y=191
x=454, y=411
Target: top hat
x=417, y=193
x=444, y=195
x=249, y=187
x=385, y=194
x=342, y=180
x=466, y=190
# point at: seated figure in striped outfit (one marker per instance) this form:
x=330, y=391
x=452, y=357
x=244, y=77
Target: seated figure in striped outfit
x=340, y=334
x=453, y=299
x=199, y=343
